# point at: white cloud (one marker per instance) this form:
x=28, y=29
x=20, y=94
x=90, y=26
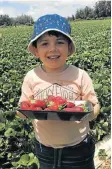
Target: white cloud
x=62, y=7
x=12, y=12
x=44, y=8
x=59, y=1
x=38, y=8
x=1, y=11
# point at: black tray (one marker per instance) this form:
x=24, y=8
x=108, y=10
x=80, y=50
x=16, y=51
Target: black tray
x=59, y=115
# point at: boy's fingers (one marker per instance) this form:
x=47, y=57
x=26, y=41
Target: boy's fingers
x=20, y=115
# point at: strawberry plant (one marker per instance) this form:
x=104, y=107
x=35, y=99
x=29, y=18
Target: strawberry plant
x=93, y=44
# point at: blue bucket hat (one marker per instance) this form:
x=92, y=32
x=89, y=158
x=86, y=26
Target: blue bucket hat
x=47, y=23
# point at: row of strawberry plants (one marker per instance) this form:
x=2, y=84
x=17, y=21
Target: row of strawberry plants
x=92, y=40
x=94, y=55
x=15, y=137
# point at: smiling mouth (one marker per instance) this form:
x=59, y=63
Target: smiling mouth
x=53, y=57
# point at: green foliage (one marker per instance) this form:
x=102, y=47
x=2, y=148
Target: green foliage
x=17, y=144
x=103, y=8
x=5, y=20
x=93, y=54
x=92, y=39
x=100, y=10
x=24, y=19
x=102, y=154
x=26, y=160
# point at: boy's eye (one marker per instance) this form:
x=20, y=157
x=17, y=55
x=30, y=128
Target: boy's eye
x=60, y=42
x=44, y=44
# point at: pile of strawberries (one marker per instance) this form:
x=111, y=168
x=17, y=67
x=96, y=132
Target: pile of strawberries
x=52, y=103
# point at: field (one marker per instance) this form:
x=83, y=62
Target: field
x=93, y=53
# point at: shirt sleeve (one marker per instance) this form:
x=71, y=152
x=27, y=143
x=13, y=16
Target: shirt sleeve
x=26, y=90
x=88, y=92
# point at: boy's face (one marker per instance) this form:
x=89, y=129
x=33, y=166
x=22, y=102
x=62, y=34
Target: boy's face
x=53, y=52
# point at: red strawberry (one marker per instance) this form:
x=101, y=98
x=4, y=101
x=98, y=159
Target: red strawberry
x=38, y=108
x=68, y=109
x=74, y=109
x=60, y=101
x=56, y=102
x=35, y=108
x=51, y=98
x=79, y=109
x=84, y=107
x=50, y=103
x=47, y=109
x=25, y=105
x=40, y=103
x=70, y=104
x=54, y=107
x=32, y=107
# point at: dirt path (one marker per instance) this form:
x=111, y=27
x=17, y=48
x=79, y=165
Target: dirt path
x=106, y=165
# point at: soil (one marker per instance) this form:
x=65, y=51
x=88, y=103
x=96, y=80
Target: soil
x=106, y=164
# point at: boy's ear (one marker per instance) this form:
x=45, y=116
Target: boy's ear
x=69, y=49
x=36, y=52
x=33, y=50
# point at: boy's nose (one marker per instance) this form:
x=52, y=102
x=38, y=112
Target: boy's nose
x=52, y=48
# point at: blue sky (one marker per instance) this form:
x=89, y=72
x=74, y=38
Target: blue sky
x=36, y=8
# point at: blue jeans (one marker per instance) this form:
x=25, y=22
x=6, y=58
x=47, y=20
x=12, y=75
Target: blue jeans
x=44, y=166
x=79, y=156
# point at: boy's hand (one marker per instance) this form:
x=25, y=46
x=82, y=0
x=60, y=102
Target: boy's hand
x=20, y=115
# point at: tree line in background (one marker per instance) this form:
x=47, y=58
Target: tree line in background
x=5, y=20
x=101, y=9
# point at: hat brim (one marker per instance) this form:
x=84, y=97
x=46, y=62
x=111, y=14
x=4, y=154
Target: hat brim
x=32, y=49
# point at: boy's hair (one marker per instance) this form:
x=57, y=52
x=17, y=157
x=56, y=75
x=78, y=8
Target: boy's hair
x=54, y=33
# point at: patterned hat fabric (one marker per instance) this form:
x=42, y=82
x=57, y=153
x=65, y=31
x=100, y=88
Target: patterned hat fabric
x=50, y=22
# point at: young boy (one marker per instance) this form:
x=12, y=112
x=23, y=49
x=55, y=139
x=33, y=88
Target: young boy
x=59, y=144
